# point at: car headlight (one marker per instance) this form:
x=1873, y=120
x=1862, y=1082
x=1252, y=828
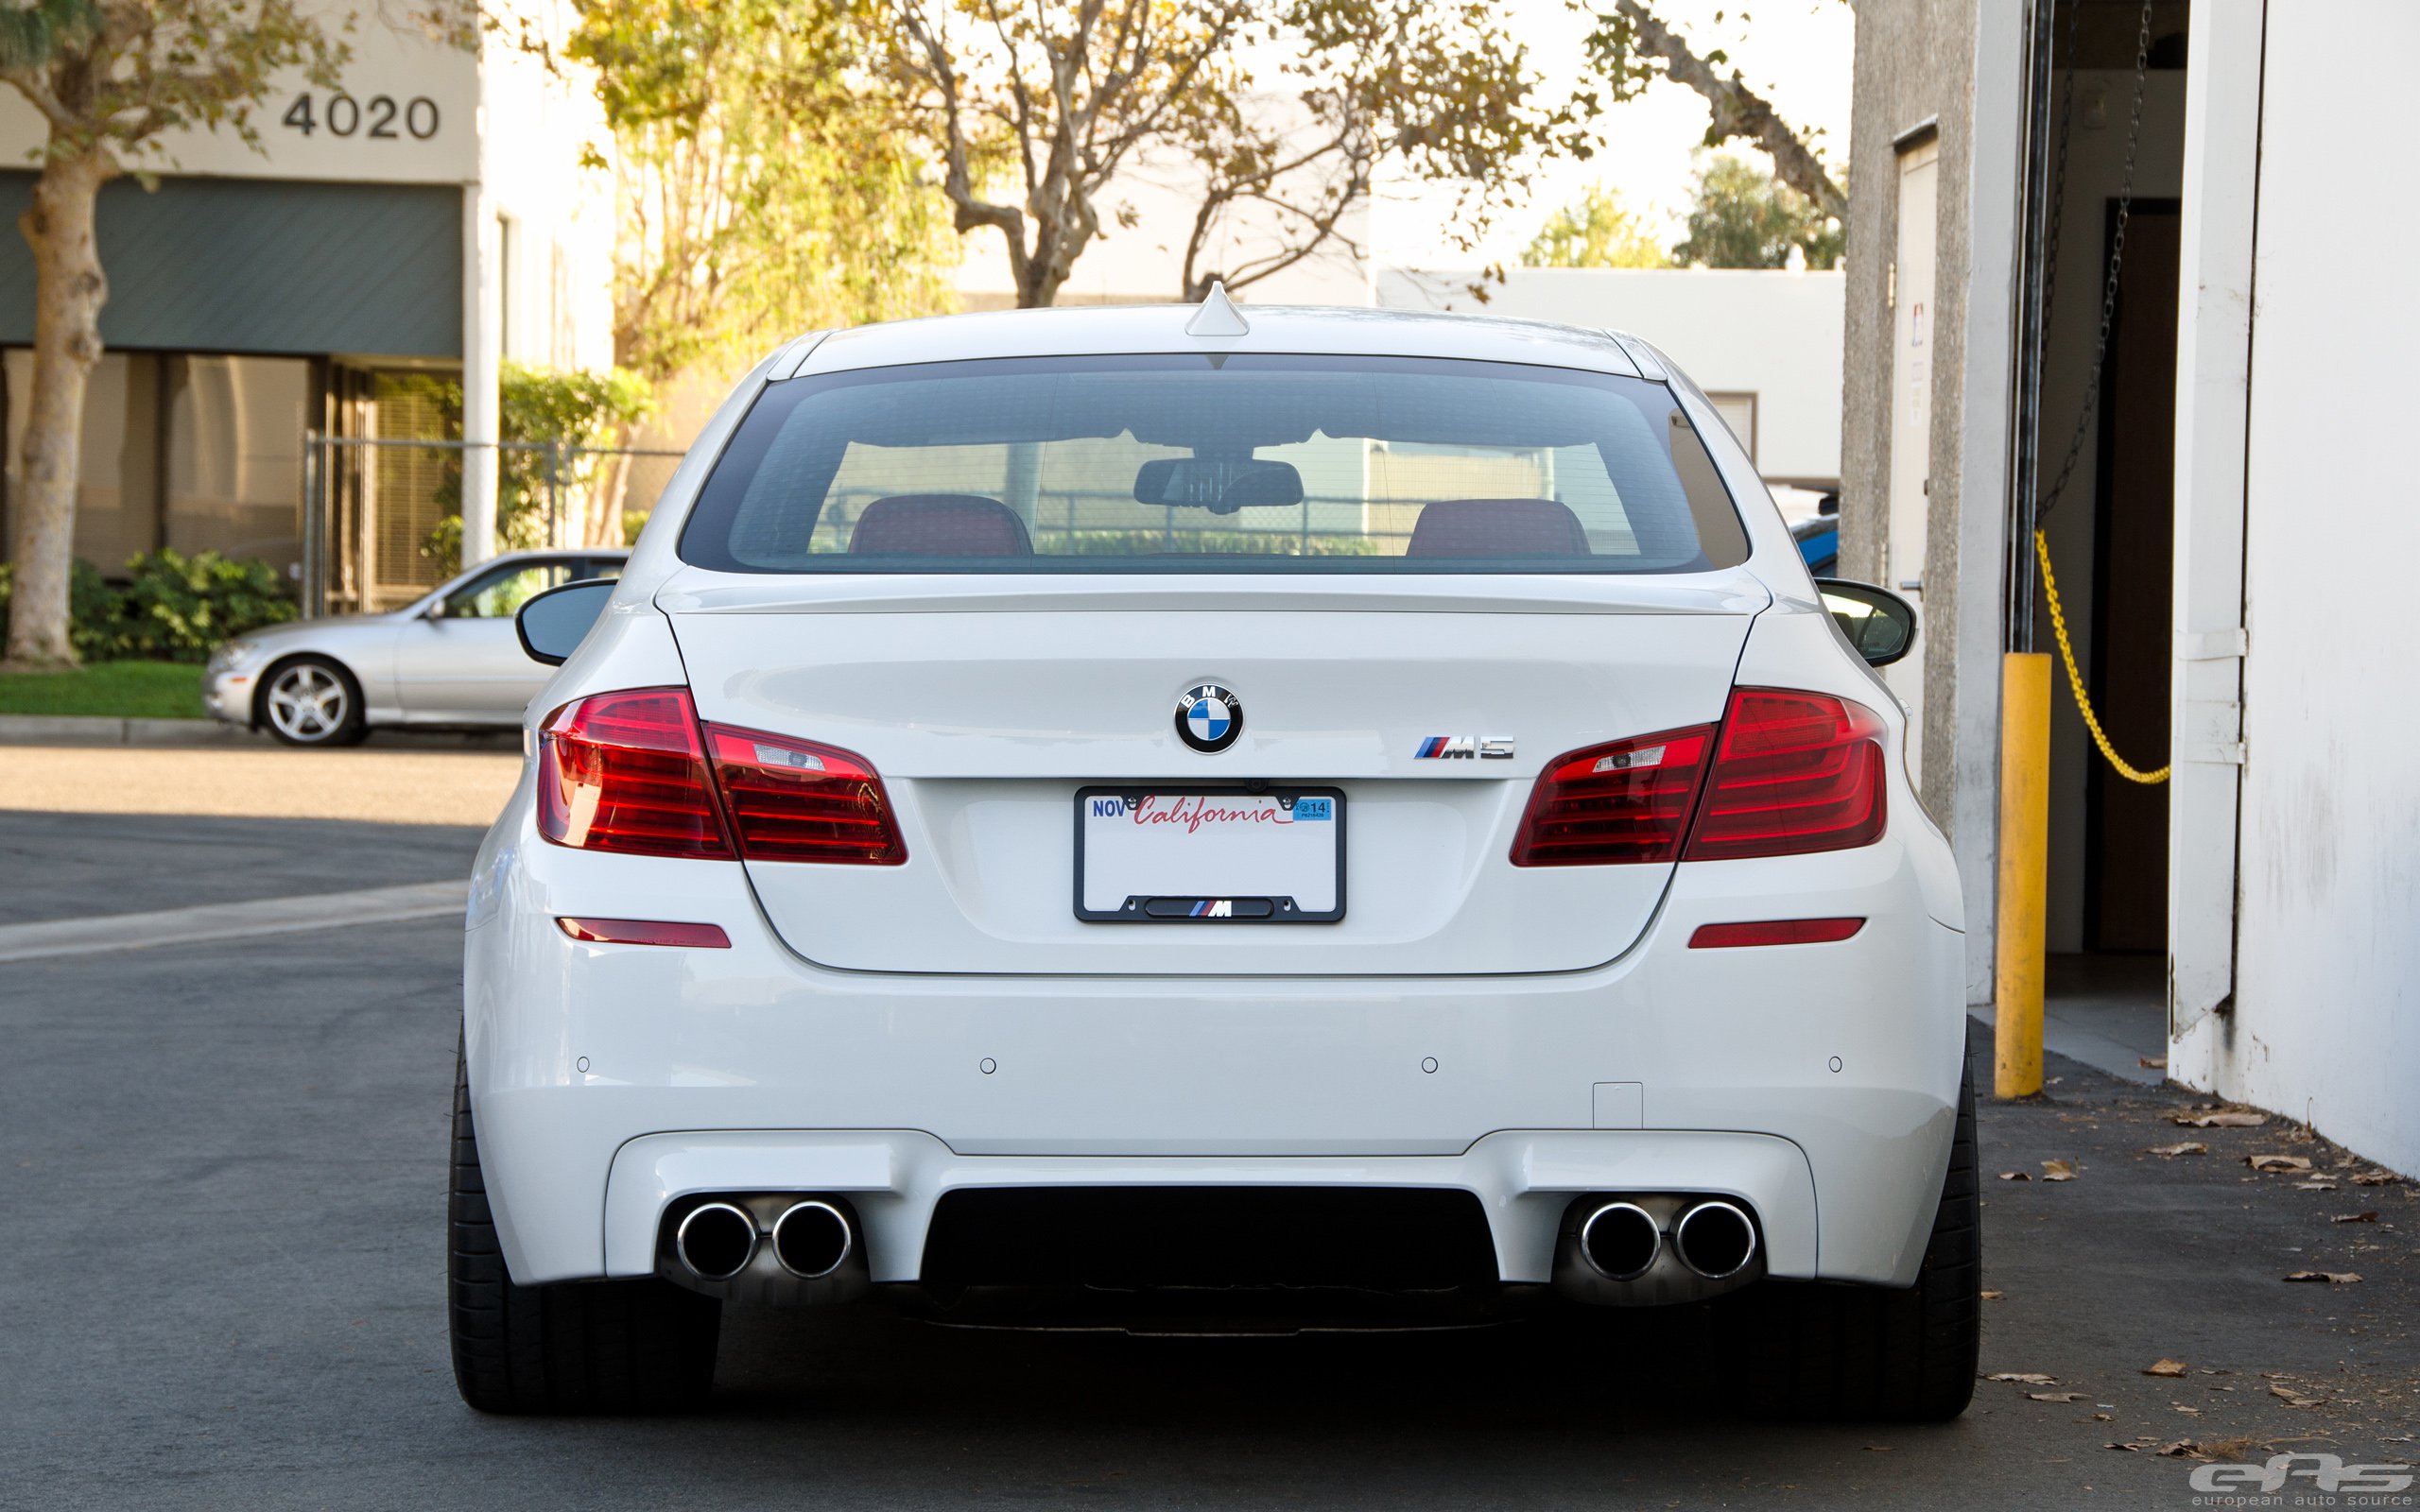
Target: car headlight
x=232, y=657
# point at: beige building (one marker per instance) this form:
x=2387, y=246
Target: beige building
x=361, y=277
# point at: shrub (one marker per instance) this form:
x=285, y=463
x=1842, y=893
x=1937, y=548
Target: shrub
x=177, y=607
x=91, y=606
x=174, y=608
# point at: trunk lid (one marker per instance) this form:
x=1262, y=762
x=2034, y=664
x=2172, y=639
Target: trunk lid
x=986, y=705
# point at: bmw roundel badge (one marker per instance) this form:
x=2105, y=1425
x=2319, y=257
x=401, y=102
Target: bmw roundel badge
x=1209, y=717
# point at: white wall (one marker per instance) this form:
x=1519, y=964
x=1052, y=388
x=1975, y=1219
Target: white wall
x=1776, y=335
x=2325, y=1022
x=558, y=301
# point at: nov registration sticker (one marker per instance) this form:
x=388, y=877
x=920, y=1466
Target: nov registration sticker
x=1197, y=855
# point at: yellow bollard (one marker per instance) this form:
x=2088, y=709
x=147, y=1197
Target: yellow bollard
x=2025, y=840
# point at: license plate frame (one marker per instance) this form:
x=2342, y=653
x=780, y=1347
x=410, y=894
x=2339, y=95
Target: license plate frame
x=1181, y=906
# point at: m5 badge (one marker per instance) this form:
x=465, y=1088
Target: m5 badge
x=1464, y=748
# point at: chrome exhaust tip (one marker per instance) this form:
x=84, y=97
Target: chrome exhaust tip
x=715, y=1242
x=1620, y=1241
x=1715, y=1240
x=812, y=1238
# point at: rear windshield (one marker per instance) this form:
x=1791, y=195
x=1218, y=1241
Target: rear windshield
x=1217, y=463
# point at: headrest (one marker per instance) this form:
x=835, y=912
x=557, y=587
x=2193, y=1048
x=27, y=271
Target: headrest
x=1497, y=528
x=940, y=525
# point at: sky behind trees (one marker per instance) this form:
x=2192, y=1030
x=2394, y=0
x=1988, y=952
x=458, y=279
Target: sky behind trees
x=1799, y=53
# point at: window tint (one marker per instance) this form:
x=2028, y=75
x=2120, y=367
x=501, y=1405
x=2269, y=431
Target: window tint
x=1228, y=464
x=499, y=594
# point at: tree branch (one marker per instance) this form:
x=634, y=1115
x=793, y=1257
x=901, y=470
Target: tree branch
x=1739, y=111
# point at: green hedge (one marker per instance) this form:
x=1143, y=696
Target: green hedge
x=172, y=607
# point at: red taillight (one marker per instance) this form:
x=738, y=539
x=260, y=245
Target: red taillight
x=1785, y=773
x=1793, y=772
x=1622, y=802
x=630, y=772
x=793, y=800
x=1775, y=932
x=623, y=771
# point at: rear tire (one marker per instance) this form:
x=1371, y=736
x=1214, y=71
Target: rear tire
x=1811, y=1350
x=571, y=1346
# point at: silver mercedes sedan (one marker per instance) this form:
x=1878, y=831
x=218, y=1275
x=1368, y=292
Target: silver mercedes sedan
x=450, y=659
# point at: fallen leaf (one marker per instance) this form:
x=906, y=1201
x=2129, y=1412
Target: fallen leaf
x=2165, y=1368
x=2321, y=1185
x=2054, y=1395
x=2185, y=1147
x=2025, y=1378
x=2333, y=1277
x=2373, y=1178
x=2189, y=1412
x=2151, y=1062
x=2103, y=1417
x=2015, y=1175
x=2131, y=1448
x=2223, y=1120
x=2370, y=1216
x=1878, y=1448
x=1996, y=1297
x=2293, y=1398
x=2058, y=1170
x=2276, y=1162
x=2182, y=1449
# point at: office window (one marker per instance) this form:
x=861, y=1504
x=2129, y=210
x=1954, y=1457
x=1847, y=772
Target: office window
x=117, y=498
x=235, y=456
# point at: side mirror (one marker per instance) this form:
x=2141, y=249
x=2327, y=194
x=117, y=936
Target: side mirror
x=1880, y=625
x=552, y=624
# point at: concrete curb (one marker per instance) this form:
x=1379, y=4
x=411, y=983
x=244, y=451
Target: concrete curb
x=75, y=729
x=67, y=729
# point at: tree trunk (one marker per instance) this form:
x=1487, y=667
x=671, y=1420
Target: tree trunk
x=69, y=290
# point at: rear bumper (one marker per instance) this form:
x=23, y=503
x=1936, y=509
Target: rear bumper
x=1818, y=1082
x=1523, y=1179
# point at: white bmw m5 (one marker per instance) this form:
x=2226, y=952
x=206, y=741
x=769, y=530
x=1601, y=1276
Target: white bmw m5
x=1172, y=818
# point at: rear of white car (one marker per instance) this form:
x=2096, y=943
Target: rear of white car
x=1066, y=817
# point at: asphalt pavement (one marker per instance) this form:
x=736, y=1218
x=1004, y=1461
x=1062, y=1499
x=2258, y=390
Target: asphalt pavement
x=224, y=1287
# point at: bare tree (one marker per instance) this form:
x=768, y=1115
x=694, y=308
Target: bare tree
x=1633, y=48
x=112, y=78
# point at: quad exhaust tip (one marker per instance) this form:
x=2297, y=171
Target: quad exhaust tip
x=811, y=1239
x=1715, y=1240
x=715, y=1242
x=1620, y=1241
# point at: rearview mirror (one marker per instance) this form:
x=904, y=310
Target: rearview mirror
x=1219, y=484
x=1880, y=625
x=552, y=624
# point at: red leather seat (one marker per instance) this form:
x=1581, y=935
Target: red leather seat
x=1497, y=528
x=939, y=524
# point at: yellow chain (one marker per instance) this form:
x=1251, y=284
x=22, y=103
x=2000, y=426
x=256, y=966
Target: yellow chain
x=2075, y=679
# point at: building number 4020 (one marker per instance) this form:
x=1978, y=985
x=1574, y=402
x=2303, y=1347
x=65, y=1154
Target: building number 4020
x=380, y=117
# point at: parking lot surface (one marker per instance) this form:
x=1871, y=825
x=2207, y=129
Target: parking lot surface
x=225, y=1288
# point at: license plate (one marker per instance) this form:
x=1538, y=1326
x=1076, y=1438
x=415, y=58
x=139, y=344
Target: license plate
x=1198, y=855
